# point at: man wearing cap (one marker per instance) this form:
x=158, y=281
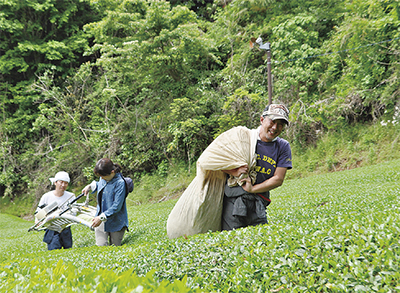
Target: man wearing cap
x=245, y=204
x=54, y=239
x=234, y=176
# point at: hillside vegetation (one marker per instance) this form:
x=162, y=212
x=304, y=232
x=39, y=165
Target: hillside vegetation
x=352, y=147
x=335, y=232
x=151, y=83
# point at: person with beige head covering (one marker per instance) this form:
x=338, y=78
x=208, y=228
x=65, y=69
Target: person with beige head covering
x=58, y=197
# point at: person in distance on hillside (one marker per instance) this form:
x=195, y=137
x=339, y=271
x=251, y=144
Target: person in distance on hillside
x=245, y=205
x=54, y=239
x=111, y=219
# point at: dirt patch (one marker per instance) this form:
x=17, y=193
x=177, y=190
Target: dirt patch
x=28, y=217
x=174, y=195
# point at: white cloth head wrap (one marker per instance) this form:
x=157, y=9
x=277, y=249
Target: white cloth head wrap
x=63, y=176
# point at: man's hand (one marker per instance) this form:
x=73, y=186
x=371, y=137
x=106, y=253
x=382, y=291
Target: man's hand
x=238, y=171
x=247, y=185
x=86, y=190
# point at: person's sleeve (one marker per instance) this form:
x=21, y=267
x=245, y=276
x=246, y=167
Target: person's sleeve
x=119, y=198
x=41, y=202
x=93, y=186
x=285, y=157
x=103, y=217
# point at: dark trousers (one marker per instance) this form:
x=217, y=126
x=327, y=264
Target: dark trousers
x=57, y=240
x=231, y=221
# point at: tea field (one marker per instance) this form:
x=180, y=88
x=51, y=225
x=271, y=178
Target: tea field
x=338, y=232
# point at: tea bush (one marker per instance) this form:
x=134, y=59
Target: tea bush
x=337, y=232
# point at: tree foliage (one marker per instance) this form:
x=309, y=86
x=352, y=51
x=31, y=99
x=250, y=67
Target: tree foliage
x=35, y=36
x=150, y=83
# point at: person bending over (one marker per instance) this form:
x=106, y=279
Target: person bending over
x=245, y=205
x=111, y=219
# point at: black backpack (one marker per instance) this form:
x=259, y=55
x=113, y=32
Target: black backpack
x=128, y=185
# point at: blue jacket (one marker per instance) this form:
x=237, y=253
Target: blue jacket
x=111, y=202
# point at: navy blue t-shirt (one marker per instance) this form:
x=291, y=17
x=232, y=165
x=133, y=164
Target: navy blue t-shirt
x=271, y=155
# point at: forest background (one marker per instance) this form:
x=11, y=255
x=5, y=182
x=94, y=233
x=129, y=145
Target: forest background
x=151, y=83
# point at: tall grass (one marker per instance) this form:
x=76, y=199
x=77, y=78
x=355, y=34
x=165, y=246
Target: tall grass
x=347, y=148
x=163, y=184
x=335, y=232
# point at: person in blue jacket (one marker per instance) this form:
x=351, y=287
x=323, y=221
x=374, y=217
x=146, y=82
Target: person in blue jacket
x=111, y=219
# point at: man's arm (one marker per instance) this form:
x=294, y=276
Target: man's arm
x=269, y=184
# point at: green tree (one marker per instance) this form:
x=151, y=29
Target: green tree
x=363, y=77
x=241, y=109
x=35, y=36
x=38, y=35
x=151, y=54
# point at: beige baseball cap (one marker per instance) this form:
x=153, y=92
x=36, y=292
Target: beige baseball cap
x=277, y=111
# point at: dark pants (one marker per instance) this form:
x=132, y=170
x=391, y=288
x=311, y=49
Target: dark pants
x=251, y=214
x=57, y=240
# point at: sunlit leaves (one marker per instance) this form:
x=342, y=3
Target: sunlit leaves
x=33, y=277
x=335, y=232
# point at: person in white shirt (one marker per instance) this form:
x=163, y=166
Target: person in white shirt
x=61, y=196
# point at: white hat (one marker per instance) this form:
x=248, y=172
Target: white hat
x=63, y=176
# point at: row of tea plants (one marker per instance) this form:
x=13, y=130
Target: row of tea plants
x=337, y=232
